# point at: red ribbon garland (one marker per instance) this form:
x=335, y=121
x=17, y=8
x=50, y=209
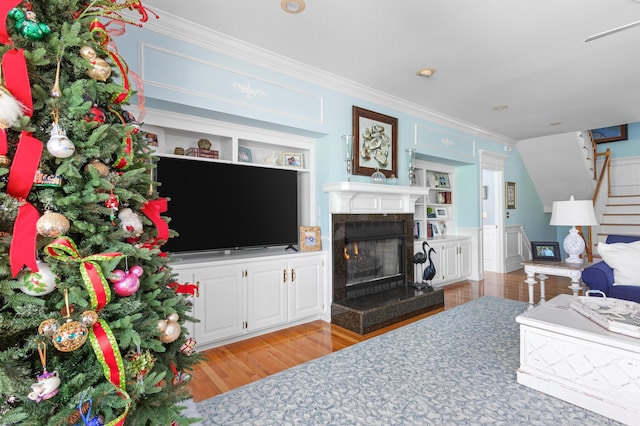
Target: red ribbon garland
x=5, y=7
x=23, y=168
x=192, y=289
x=106, y=349
x=65, y=249
x=152, y=210
x=99, y=30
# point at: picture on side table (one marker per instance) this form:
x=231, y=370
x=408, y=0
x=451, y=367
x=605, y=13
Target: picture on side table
x=545, y=250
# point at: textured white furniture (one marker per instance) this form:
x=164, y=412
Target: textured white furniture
x=568, y=356
x=560, y=269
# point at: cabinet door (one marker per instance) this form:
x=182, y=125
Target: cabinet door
x=220, y=307
x=465, y=259
x=450, y=268
x=266, y=294
x=305, y=287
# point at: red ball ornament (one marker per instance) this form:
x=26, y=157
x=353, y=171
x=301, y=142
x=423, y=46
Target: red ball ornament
x=96, y=114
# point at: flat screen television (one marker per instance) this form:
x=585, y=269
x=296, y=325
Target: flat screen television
x=220, y=206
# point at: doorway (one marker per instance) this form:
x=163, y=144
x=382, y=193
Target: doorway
x=492, y=211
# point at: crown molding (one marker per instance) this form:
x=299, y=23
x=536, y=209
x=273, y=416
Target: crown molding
x=174, y=27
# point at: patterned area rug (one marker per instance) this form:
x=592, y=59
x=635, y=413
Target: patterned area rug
x=454, y=368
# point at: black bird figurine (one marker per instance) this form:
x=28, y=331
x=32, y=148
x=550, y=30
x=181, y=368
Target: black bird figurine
x=430, y=271
x=421, y=257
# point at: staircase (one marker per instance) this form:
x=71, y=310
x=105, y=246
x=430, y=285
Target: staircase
x=621, y=216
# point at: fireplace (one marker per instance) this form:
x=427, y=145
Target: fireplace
x=372, y=253
x=372, y=256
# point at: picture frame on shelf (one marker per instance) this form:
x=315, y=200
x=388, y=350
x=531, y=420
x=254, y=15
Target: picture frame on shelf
x=244, y=155
x=610, y=134
x=154, y=137
x=293, y=159
x=442, y=180
x=441, y=212
x=375, y=143
x=435, y=229
x=310, y=238
x=545, y=250
x=510, y=195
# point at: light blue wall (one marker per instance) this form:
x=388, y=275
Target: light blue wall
x=193, y=78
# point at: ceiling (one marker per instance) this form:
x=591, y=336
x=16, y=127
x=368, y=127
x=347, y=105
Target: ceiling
x=529, y=55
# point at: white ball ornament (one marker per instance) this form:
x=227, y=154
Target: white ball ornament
x=59, y=144
x=170, y=329
x=38, y=283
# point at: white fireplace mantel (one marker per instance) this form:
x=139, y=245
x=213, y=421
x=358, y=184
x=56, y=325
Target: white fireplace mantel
x=356, y=197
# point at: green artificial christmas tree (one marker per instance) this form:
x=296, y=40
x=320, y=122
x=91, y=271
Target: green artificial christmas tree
x=91, y=318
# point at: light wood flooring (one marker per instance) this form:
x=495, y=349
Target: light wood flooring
x=233, y=365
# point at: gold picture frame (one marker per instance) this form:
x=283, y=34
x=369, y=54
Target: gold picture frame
x=375, y=143
x=293, y=159
x=310, y=238
x=511, y=195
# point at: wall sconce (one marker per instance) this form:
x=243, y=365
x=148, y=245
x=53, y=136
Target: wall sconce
x=573, y=213
x=347, y=146
x=411, y=156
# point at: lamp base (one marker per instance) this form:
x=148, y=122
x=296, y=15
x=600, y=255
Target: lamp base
x=573, y=246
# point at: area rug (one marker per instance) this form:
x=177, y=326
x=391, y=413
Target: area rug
x=454, y=368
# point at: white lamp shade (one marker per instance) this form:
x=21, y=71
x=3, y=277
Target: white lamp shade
x=573, y=213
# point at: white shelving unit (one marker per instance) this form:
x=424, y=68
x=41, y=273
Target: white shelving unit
x=436, y=208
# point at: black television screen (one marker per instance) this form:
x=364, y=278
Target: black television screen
x=219, y=206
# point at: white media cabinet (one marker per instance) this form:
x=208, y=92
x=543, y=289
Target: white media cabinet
x=248, y=293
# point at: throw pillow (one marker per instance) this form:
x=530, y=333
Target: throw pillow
x=623, y=259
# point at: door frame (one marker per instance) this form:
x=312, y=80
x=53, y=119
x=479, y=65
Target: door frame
x=494, y=162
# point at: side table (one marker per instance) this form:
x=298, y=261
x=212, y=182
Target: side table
x=561, y=269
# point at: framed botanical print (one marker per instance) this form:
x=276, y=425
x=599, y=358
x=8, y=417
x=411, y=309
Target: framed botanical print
x=375, y=143
x=511, y=195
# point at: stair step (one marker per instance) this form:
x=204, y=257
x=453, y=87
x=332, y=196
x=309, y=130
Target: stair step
x=620, y=219
x=624, y=199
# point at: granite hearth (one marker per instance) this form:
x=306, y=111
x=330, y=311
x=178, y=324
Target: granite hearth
x=375, y=311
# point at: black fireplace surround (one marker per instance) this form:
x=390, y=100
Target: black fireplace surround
x=373, y=272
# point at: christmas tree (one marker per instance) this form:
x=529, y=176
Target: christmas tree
x=92, y=320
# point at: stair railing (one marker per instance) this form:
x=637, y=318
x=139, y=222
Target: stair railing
x=600, y=195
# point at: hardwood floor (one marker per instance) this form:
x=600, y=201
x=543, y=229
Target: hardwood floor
x=236, y=364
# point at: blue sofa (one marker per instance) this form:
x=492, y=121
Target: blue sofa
x=599, y=276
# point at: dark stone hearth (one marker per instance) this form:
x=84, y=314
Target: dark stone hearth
x=375, y=311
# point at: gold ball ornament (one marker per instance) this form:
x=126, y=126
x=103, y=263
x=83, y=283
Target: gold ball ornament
x=48, y=327
x=170, y=329
x=102, y=169
x=70, y=336
x=88, y=318
x=52, y=224
x=100, y=69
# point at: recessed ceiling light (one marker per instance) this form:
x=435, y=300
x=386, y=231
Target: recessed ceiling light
x=555, y=123
x=500, y=107
x=292, y=6
x=426, y=72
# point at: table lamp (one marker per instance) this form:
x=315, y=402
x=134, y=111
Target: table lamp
x=573, y=213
